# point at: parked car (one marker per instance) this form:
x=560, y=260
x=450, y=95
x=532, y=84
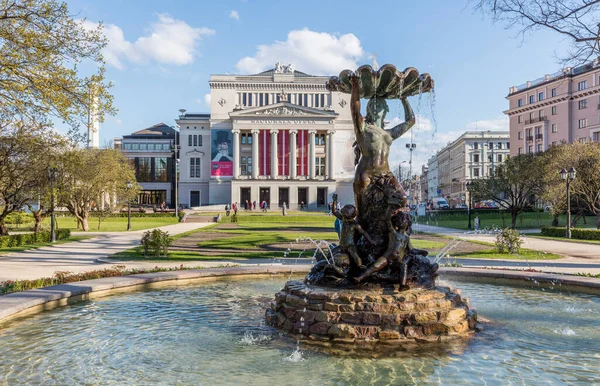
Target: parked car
x=460, y=206
x=440, y=203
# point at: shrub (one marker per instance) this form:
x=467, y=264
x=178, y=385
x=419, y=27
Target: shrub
x=576, y=233
x=180, y=215
x=508, y=241
x=12, y=241
x=156, y=242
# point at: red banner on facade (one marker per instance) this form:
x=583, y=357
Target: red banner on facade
x=283, y=150
x=302, y=160
x=264, y=153
x=221, y=169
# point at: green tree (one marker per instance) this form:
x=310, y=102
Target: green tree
x=585, y=158
x=26, y=150
x=90, y=176
x=42, y=64
x=513, y=184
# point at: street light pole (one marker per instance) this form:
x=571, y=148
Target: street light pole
x=469, y=204
x=176, y=157
x=129, y=186
x=568, y=177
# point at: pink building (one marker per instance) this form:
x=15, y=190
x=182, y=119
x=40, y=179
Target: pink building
x=564, y=106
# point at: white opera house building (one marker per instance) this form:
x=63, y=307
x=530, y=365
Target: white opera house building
x=278, y=136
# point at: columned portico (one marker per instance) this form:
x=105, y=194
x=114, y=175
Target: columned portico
x=311, y=154
x=274, y=164
x=236, y=153
x=293, y=158
x=330, y=154
x=255, y=139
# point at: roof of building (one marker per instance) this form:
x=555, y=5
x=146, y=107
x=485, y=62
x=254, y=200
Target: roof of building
x=566, y=72
x=195, y=116
x=158, y=130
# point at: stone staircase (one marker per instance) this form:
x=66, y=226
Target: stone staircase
x=199, y=219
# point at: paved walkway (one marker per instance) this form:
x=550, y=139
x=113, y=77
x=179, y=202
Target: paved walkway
x=78, y=256
x=81, y=256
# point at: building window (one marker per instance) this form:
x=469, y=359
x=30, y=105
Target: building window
x=160, y=169
x=507, y=145
x=519, y=119
x=144, y=169
x=554, y=128
x=553, y=143
x=476, y=145
x=499, y=158
x=489, y=158
x=541, y=114
x=582, y=123
x=243, y=140
x=190, y=140
x=520, y=103
x=194, y=167
x=166, y=146
x=320, y=166
x=519, y=136
x=135, y=146
x=531, y=116
x=531, y=98
x=541, y=96
x=520, y=150
x=553, y=92
x=476, y=158
x=126, y=146
x=244, y=99
x=530, y=149
x=582, y=104
x=539, y=148
x=475, y=172
x=195, y=140
x=261, y=99
x=500, y=145
x=582, y=140
x=582, y=85
x=299, y=99
x=320, y=139
x=305, y=100
x=553, y=110
x=490, y=145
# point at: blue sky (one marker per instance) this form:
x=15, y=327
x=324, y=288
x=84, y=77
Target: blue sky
x=161, y=54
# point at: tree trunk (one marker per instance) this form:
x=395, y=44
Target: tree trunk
x=555, y=220
x=84, y=224
x=3, y=229
x=513, y=220
x=37, y=216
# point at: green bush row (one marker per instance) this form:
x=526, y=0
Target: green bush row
x=31, y=238
x=576, y=233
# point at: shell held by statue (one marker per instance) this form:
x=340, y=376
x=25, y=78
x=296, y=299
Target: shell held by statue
x=387, y=82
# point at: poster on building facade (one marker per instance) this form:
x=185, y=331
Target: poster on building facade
x=221, y=164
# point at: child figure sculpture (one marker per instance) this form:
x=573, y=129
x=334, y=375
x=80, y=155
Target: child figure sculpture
x=399, y=248
x=349, y=228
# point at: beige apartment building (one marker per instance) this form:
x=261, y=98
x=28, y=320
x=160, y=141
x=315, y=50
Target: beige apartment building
x=561, y=107
x=473, y=155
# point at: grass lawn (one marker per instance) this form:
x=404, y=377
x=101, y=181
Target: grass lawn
x=34, y=246
x=114, y=224
x=500, y=220
x=526, y=254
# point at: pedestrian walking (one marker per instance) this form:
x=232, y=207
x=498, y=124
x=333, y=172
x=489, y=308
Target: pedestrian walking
x=254, y=204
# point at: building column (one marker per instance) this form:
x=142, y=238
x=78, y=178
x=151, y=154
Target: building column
x=293, y=156
x=330, y=154
x=255, y=161
x=311, y=154
x=274, y=163
x=236, y=153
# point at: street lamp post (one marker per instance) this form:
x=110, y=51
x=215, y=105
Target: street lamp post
x=52, y=176
x=129, y=186
x=568, y=177
x=176, y=157
x=469, y=204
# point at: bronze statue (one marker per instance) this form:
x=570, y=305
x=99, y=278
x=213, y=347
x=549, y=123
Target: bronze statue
x=377, y=230
x=348, y=232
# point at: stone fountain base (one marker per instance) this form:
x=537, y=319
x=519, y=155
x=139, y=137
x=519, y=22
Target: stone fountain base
x=373, y=315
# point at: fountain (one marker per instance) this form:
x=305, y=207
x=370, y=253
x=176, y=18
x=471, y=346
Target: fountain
x=375, y=287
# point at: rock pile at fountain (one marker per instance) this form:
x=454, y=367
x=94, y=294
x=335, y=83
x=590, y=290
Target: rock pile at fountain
x=374, y=285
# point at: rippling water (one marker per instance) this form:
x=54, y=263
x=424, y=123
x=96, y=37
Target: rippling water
x=215, y=334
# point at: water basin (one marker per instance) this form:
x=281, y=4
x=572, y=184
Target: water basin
x=215, y=333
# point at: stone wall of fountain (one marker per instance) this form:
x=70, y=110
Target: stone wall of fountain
x=371, y=315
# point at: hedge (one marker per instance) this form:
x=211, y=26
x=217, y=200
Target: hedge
x=576, y=233
x=31, y=238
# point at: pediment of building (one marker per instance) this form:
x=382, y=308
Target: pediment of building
x=195, y=153
x=282, y=109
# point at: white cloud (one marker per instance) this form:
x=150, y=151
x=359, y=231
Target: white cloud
x=118, y=121
x=234, y=15
x=489, y=124
x=317, y=53
x=207, y=99
x=168, y=41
